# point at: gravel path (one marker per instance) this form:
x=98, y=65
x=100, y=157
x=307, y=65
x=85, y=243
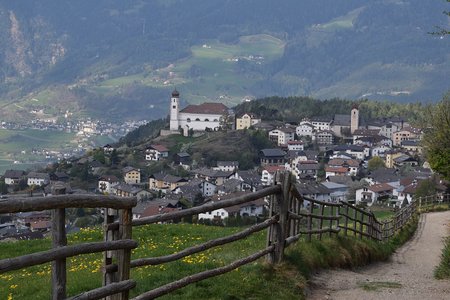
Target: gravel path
x=407, y=275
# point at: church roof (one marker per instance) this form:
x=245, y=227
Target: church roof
x=206, y=108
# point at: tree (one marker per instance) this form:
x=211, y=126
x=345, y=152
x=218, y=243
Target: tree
x=441, y=30
x=436, y=140
x=375, y=163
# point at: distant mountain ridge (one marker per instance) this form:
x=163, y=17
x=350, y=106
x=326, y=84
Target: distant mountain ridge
x=118, y=59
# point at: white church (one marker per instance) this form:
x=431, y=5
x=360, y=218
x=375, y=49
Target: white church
x=196, y=117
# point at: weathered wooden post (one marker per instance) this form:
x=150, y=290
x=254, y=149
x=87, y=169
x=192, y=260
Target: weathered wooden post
x=280, y=229
x=124, y=256
x=361, y=225
x=346, y=220
x=322, y=209
x=108, y=256
x=59, y=239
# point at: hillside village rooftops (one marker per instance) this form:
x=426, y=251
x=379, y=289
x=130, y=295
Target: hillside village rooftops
x=322, y=119
x=273, y=169
x=353, y=148
x=14, y=173
x=344, y=162
x=366, y=132
x=206, y=108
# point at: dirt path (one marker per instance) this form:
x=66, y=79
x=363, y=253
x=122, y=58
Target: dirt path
x=408, y=275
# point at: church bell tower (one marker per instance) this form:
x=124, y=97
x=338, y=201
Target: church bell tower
x=174, y=110
x=354, y=119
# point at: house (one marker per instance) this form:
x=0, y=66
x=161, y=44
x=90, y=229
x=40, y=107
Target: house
x=351, y=165
x=358, y=152
x=108, y=149
x=131, y=175
x=165, y=182
x=306, y=170
x=313, y=190
x=336, y=171
x=202, y=117
x=182, y=158
x=295, y=146
x=160, y=206
x=324, y=137
x=227, y=166
x=156, y=152
x=371, y=194
x=106, y=182
x=250, y=179
x=386, y=128
x=406, y=134
x=321, y=123
x=127, y=190
x=411, y=146
x=246, y=121
x=305, y=128
x=282, y=135
x=390, y=156
x=38, y=179
x=338, y=191
x=268, y=174
x=13, y=176
x=59, y=177
x=216, y=177
x=404, y=160
x=272, y=157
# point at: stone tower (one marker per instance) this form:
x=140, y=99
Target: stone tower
x=174, y=110
x=354, y=119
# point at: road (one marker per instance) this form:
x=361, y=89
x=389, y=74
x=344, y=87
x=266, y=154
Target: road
x=407, y=275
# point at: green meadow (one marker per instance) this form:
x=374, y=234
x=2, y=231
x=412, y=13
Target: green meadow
x=211, y=70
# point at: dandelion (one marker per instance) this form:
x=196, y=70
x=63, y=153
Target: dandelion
x=10, y=297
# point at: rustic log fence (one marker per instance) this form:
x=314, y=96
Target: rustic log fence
x=291, y=217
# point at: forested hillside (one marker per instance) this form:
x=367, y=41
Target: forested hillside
x=116, y=59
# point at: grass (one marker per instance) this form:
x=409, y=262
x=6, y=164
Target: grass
x=442, y=271
x=254, y=281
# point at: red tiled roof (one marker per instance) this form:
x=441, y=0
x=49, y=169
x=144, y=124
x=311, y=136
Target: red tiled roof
x=206, y=108
x=159, y=148
x=380, y=187
x=273, y=169
x=336, y=169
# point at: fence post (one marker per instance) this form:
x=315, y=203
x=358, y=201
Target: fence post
x=108, y=256
x=280, y=229
x=346, y=220
x=124, y=255
x=59, y=239
x=322, y=208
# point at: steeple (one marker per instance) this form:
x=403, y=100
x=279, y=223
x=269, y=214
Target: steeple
x=174, y=110
x=354, y=118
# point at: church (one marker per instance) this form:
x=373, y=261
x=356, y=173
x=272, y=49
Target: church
x=195, y=117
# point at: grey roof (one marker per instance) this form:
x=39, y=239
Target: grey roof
x=334, y=185
x=309, y=188
x=342, y=120
x=384, y=175
x=129, y=169
x=14, y=173
x=275, y=152
x=183, y=154
x=230, y=186
x=322, y=119
x=127, y=188
x=348, y=147
x=212, y=173
x=250, y=177
x=308, y=165
x=410, y=143
x=38, y=175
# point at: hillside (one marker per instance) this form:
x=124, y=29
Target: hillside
x=118, y=60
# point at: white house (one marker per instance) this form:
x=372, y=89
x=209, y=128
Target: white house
x=268, y=173
x=156, y=152
x=13, y=176
x=369, y=195
x=282, y=135
x=227, y=166
x=220, y=213
x=305, y=129
x=321, y=123
x=106, y=182
x=38, y=179
x=196, y=117
x=295, y=146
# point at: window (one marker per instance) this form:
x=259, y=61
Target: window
x=174, y=106
x=206, y=120
x=188, y=120
x=197, y=119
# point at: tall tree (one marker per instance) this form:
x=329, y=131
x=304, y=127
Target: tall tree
x=436, y=139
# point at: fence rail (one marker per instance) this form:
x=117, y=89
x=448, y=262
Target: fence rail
x=291, y=217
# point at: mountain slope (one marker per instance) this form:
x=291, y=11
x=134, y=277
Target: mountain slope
x=117, y=59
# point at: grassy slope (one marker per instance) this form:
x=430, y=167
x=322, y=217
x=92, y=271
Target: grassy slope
x=443, y=270
x=254, y=281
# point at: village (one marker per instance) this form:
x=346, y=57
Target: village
x=333, y=159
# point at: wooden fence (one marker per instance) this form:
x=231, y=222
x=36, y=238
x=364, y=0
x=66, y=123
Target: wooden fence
x=291, y=217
